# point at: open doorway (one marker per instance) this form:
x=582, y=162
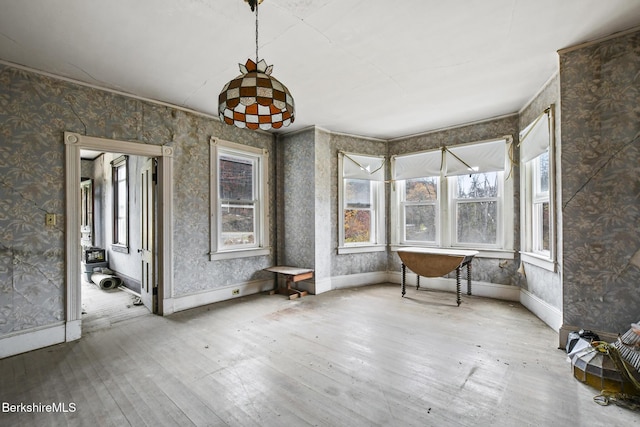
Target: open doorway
x=114, y=188
x=153, y=258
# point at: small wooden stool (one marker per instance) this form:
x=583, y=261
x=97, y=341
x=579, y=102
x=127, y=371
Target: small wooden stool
x=292, y=275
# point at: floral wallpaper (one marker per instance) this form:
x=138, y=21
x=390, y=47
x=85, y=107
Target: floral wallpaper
x=600, y=102
x=600, y=164
x=35, y=111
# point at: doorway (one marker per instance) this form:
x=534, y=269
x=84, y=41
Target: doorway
x=160, y=281
x=117, y=212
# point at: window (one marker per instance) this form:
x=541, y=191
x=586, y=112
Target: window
x=238, y=200
x=536, y=157
x=476, y=200
x=454, y=197
x=361, y=196
x=420, y=212
x=120, y=204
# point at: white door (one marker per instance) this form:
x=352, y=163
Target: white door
x=148, y=287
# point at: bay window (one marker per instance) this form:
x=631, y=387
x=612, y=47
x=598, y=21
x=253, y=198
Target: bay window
x=454, y=197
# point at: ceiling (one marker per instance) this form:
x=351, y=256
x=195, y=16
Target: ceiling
x=374, y=68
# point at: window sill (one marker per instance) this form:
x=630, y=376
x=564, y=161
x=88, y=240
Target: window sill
x=239, y=253
x=484, y=252
x=120, y=248
x=538, y=261
x=361, y=249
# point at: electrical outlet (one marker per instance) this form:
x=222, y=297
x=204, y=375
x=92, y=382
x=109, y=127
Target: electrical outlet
x=50, y=219
x=236, y=292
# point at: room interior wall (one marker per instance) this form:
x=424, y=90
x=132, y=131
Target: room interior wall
x=35, y=112
x=600, y=103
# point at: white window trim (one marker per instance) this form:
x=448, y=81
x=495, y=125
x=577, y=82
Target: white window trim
x=380, y=244
x=262, y=217
x=402, y=212
x=444, y=233
x=542, y=260
x=501, y=237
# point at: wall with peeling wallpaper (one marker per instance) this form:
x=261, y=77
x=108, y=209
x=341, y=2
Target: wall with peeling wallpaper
x=600, y=105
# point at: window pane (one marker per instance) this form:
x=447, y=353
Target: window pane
x=477, y=185
x=357, y=226
x=236, y=178
x=237, y=225
x=357, y=193
x=543, y=173
x=477, y=222
x=121, y=205
x=420, y=223
x=541, y=242
x=421, y=190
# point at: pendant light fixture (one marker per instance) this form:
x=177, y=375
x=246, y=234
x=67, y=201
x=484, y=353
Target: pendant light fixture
x=255, y=99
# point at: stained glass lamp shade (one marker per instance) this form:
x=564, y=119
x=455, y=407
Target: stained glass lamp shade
x=256, y=100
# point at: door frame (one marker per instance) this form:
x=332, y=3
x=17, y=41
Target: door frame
x=74, y=142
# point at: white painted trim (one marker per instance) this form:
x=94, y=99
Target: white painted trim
x=442, y=129
x=538, y=261
x=185, y=302
x=361, y=279
x=599, y=40
x=31, y=339
x=480, y=289
x=74, y=142
x=321, y=286
x=261, y=161
x=542, y=309
x=73, y=330
x=358, y=249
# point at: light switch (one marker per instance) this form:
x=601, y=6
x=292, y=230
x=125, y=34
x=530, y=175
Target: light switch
x=50, y=219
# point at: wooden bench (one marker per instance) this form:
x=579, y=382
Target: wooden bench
x=292, y=275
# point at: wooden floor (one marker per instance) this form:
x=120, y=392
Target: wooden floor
x=102, y=308
x=354, y=357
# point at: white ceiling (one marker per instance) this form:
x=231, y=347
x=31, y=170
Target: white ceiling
x=375, y=68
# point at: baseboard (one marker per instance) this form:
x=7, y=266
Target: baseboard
x=542, y=309
x=361, y=279
x=319, y=286
x=185, y=302
x=32, y=339
x=480, y=289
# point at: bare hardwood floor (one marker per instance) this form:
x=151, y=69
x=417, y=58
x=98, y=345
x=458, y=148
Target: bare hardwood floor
x=353, y=357
x=101, y=308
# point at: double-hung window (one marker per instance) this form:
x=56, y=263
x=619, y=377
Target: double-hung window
x=537, y=207
x=454, y=197
x=361, y=198
x=238, y=200
x=120, y=204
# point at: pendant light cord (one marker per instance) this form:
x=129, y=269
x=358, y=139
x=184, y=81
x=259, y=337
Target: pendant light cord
x=257, y=1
